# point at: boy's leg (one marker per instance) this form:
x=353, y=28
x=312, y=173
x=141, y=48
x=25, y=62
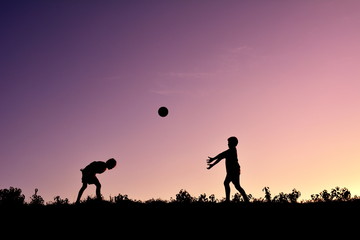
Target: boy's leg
x=98, y=188
x=227, y=188
x=243, y=193
x=240, y=189
x=82, y=189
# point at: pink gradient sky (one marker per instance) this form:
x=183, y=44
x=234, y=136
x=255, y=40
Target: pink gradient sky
x=81, y=81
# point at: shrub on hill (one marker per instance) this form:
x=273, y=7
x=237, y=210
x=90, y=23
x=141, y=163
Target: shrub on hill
x=14, y=197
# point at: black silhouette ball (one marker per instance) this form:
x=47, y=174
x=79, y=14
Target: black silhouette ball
x=163, y=111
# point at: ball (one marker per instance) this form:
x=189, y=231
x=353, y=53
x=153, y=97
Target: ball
x=163, y=111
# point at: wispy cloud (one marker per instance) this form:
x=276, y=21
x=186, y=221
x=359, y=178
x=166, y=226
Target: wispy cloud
x=181, y=83
x=231, y=60
x=188, y=75
x=240, y=49
x=167, y=92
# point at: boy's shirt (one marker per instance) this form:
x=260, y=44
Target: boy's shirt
x=231, y=160
x=95, y=167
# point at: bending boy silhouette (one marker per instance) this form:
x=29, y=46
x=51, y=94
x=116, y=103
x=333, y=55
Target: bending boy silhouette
x=89, y=175
x=232, y=168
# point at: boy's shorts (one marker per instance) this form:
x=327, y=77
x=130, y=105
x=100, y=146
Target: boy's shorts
x=89, y=178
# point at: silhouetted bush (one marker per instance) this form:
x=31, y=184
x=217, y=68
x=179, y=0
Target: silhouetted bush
x=59, y=201
x=336, y=194
x=36, y=199
x=280, y=198
x=184, y=197
x=237, y=198
x=203, y=198
x=11, y=196
x=267, y=194
x=155, y=201
x=14, y=196
x=124, y=199
x=212, y=198
x=294, y=196
x=120, y=197
x=340, y=194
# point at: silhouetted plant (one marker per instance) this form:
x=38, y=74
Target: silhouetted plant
x=325, y=195
x=284, y=197
x=336, y=194
x=267, y=194
x=155, y=201
x=315, y=197
x=212, y=198
x=340, y=194
x=294, y=195
x=90, y=199
x=236, y=198
x=345, y=194
x=14, y=196
x=184, y=197
x=59, y=201
x=203, y=198
x=254, y=199
x=36, y=199
x=250, y=197
x=11, y=196
x=120, y=198
x=281, y=198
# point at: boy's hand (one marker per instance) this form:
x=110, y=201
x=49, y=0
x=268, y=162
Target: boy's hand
x=210, y=159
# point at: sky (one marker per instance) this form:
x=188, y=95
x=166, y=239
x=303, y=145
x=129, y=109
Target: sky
x=82, y=81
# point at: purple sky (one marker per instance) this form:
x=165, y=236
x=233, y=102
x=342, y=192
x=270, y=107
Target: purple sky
x=81, y=81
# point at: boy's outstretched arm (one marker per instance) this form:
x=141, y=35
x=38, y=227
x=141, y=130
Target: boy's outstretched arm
x=217, y=159
x=210, y=160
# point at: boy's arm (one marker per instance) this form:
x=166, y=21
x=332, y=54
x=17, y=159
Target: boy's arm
x=210, y=165
x=217, y=159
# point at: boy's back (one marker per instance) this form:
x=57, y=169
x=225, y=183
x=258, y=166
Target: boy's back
x=231, y=161
x=95, y=167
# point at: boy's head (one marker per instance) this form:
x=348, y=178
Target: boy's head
x=232, y=142
x=111, y=163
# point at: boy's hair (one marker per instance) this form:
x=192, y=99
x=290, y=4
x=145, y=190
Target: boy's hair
x=111, y=163
x=233, y=141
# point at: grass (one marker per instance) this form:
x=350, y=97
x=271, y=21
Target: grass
x=185, y=216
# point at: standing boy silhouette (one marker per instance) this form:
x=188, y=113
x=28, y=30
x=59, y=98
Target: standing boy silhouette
x=89, y=175
x=232, y=168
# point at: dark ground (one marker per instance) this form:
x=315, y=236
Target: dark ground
x=182, y=220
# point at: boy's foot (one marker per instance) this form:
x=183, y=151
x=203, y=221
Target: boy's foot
x=227, y=201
